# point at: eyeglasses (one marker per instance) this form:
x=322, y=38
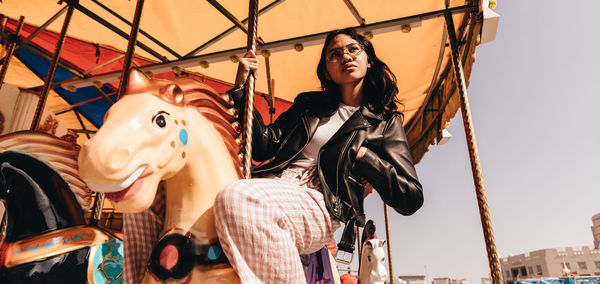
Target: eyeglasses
x=335, y=55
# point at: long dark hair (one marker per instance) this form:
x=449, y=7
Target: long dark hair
x=379, y=85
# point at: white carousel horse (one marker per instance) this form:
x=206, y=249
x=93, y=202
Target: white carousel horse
x=372, y=263
x=183, y=132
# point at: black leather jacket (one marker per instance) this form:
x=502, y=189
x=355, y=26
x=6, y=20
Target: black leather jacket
x=387, y=164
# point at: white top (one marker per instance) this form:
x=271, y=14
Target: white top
x=327, y=127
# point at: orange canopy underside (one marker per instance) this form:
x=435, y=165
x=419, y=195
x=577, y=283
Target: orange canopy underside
x=409, y=36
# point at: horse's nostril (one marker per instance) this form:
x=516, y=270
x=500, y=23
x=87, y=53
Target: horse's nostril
x=119, y=158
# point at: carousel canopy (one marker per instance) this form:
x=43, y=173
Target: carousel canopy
x=203, y=38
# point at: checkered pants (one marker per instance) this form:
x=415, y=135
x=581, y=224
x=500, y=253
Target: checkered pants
x=263, y=224
x=140, y=233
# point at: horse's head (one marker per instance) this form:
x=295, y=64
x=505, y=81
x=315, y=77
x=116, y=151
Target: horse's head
x=373, y=262
x=145, y=138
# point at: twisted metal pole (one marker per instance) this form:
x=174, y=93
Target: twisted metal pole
x=48, y=82
x=99, y=202
x=135, y=27
x=484, y=212
x=12, y=46
x=249, y=108
x=389, y=242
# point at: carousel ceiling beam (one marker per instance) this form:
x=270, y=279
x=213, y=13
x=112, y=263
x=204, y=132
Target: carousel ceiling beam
x=83, y=131
x=153, y=39
x=46, y=24
x=121, y=33
x=281, y=45
x=39, y=53
x=361, y=21
x=231, y=17
x=230, y=30
x=413, y=122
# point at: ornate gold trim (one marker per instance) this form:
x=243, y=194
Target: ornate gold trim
x=54, y=243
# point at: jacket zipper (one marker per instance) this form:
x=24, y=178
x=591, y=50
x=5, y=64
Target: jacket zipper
x=337, y=168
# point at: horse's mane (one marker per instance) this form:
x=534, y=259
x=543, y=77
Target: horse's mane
x=58, y=154
x=216, y=108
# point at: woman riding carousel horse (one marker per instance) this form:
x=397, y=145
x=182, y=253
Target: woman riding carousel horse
x=324, y=149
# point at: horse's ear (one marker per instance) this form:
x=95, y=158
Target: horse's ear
x=369, y=244
x=172, y=93
x=381, y=243
x=137, y=81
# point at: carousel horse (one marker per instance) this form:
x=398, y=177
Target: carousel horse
x=183, y=132
x=47, y=239
x=372, y=262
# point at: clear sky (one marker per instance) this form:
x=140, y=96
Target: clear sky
x=534, y=94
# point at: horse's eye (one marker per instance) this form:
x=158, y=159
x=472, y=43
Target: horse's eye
x=369, y=258
x=160, y=119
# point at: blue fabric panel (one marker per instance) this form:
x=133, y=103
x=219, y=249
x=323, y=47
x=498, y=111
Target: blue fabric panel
x=93, y=111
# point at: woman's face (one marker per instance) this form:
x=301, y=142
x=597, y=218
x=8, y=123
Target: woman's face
x=346, y=60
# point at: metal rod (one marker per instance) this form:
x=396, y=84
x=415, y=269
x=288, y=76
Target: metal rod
x=285, y=44
x=228, y=15
x=153, y=39
x=97, y=207
x=361, y=21
x=248, y=113
x=41, y=54
x=476, y=168
x=73, y=106
x=46, y=24
x=103, y=64
x=270, y=89
x=81, y=122
x=229, y=30
x=119, y=32
x=389, y=242
x=52, y=69
x=130, y=48
x=11, y=50
x=232, y=18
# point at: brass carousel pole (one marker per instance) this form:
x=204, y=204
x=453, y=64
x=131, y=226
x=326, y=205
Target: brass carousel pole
x=53, y=64
x=389, y=242
x=484, y=211
x=248, y=113
x=135, y=26
x=12, y=46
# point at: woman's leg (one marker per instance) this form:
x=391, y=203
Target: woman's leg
x=140, y=235
x=263, y=225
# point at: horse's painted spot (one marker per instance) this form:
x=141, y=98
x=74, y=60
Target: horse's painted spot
x=214, y=252
x=172, y=144
x=183, y=155
x=176, y=122
x=183, y=122
x=183, y=136
x=169, y=256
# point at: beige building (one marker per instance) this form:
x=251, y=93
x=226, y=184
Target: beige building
x=581, y=261
x=411, y=279
x=446, y=280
